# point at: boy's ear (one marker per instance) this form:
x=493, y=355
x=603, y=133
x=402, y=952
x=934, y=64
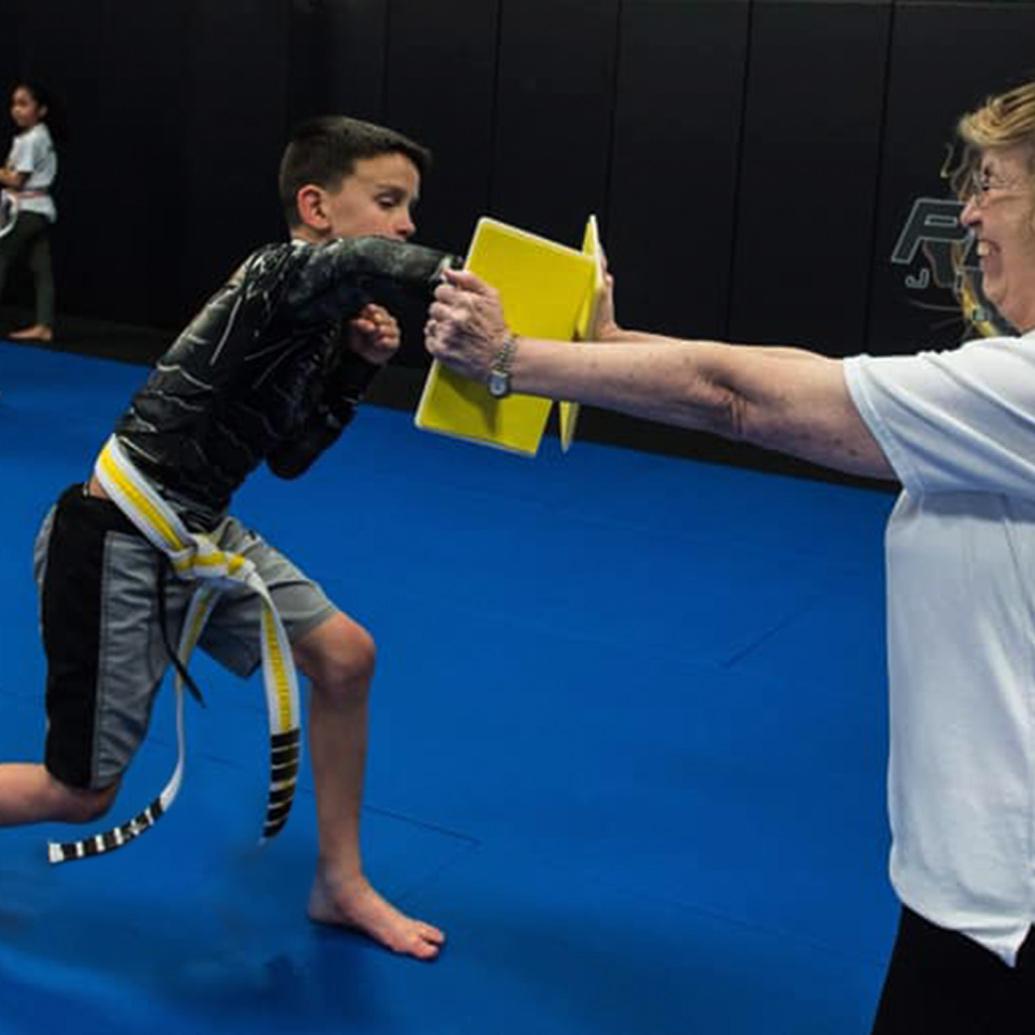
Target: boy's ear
x=310, y=202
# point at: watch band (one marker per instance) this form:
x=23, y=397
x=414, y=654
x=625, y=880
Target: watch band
x=499, y=372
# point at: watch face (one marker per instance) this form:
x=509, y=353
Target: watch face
x=499, y=383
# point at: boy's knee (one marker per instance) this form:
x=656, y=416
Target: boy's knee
x=340, y=656
x=352, y=657
x=83, y=805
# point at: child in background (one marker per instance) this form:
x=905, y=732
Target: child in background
x=26, y=179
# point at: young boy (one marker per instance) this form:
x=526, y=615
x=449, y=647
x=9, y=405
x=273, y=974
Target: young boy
x=270, y=370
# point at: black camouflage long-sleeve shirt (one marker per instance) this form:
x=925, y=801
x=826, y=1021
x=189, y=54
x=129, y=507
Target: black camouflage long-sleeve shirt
x=263, y=372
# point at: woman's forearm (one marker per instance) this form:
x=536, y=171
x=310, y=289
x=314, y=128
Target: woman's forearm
x=650, y=376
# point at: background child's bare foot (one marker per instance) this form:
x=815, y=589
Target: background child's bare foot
x=354, y=903
x=37, y=332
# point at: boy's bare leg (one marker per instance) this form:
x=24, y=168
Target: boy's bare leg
x=338, y=658
x=29, y=794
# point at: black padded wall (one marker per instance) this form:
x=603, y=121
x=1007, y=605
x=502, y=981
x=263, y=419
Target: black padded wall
x=752, y=162
x=14, y=46
x=555, y=92
x=122, y=186
x=808, y=174
x=337, y=57
x=234, y=90
x=669, y=224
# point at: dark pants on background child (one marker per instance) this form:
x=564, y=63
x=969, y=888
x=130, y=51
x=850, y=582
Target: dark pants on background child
x=31, y=234
x=941, y=982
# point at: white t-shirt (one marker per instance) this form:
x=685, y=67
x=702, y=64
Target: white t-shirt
x=33, y=152
x=959, y=429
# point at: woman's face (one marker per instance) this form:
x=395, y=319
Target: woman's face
x=26, y=111
x=1000, y=211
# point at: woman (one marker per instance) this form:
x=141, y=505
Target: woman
x=957, y=430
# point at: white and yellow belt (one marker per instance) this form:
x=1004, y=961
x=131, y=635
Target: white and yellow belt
x=196, y=558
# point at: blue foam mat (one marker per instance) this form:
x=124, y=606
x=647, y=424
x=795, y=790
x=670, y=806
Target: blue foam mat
x=627, y=747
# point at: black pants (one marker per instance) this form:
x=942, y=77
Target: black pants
x=941, y=982
x=31, y=236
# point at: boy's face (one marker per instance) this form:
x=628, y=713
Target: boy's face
x=376, y=199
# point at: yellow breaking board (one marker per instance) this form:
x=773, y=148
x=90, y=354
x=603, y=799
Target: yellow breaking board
x=543, y=288
x=586, y=325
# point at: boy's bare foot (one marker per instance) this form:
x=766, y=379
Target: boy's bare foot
x=37, y=332
x=354, y=903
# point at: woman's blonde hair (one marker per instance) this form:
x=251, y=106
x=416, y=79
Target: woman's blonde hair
x=1004, y=120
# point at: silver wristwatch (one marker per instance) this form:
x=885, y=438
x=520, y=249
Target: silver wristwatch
x=499, y=372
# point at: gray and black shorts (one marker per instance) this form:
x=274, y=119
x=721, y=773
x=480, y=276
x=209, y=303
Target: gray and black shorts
x=99, y=583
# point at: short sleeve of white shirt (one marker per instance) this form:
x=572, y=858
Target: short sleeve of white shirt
x=33, y=152
x=25, y=153
x=957, y=421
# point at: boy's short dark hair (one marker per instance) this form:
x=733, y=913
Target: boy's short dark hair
x=324, y=150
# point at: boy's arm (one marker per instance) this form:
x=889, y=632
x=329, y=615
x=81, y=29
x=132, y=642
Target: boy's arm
x=335, y=280
x=343, y=388
x=341, y=279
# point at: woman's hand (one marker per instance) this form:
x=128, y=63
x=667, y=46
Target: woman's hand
x=465, y=328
